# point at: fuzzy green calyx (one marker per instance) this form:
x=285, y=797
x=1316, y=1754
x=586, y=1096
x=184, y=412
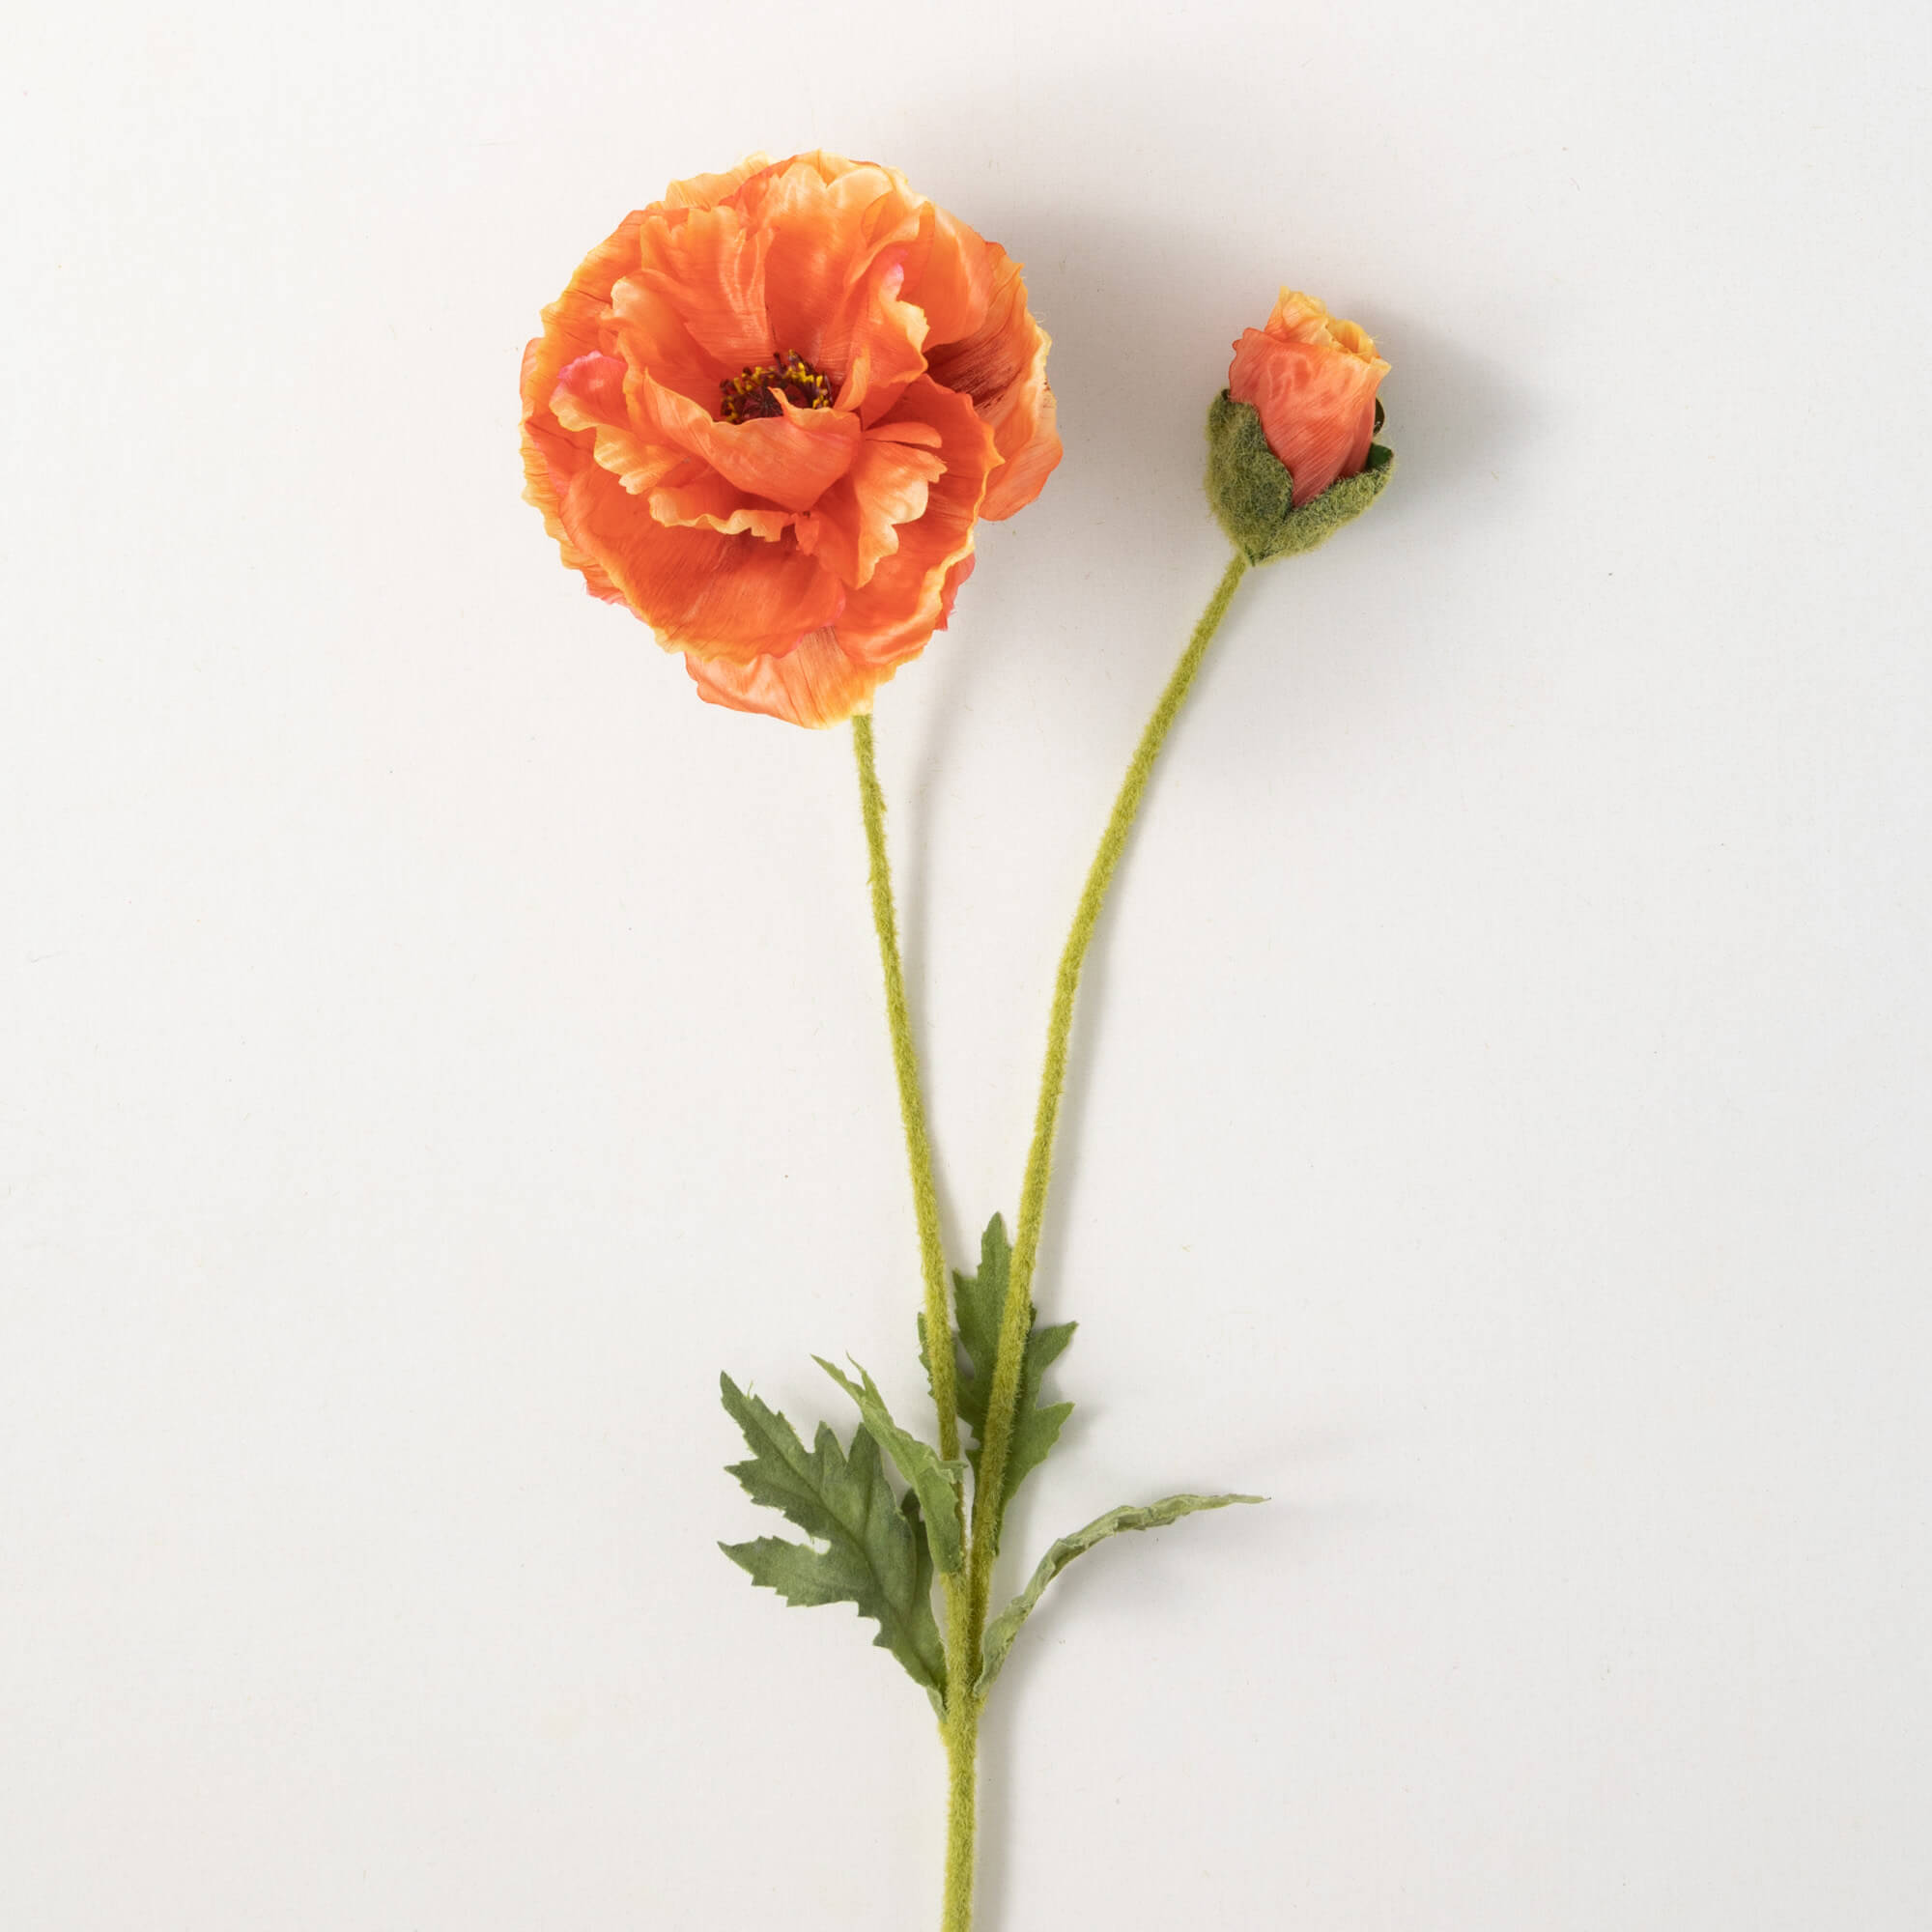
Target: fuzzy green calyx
x=1253, y=493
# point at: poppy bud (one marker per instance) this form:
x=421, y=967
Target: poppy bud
x=1291, y=449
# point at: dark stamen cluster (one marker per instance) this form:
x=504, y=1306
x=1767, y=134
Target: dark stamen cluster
x=756, y=389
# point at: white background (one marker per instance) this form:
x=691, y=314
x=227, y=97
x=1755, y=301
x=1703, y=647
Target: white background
x=435, y=1044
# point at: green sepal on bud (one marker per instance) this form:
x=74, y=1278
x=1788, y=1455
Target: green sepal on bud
x=1253, y=493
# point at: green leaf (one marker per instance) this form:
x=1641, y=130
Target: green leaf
x=875, y=1553
x=921, y=1584
x=982, y=1303
x=938, y=1484
x=1005, y=1627
x=1253, y=492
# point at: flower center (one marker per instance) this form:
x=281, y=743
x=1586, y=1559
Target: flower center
x=750, y=392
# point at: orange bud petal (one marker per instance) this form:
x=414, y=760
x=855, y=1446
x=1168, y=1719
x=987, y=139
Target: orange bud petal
x=1311, y=379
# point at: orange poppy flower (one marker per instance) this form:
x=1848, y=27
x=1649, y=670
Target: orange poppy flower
x=767, y=413
x=1312, y=378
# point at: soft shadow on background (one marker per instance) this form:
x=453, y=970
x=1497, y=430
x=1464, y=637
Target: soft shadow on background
x=438, y=1043
x=1133, y=377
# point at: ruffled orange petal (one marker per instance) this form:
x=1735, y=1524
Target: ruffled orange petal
x=790, y=459
x=814, y=685
x=815, y=207
x=878, y=342
x=552, y=454
x=856, y=522
x=896, y=613
x=928, y=280
x=948, y=591
x=589, y=393
x=692, y=311
x=699, y=589
x=546, y=457
x=700, y=499
x=843, y=237
x=1317, y=405
x=1002, y=366
x=1025, y=421
x=708, y=190
x=950, y=274
x=574, y=323
x=590, y=398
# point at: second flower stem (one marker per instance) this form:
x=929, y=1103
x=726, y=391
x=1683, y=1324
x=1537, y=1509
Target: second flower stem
x=1018, y=1317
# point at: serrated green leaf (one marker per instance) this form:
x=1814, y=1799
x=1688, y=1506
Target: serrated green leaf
x=1036, y=1428
x=980, y=1300
x=922, y=1544
x=923, y=1590
x=939, y=1485
x=876, y=1550
x=1005, y=1627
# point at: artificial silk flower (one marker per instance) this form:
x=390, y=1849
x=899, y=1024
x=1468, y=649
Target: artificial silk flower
x=767, y=413
x=1292, y=454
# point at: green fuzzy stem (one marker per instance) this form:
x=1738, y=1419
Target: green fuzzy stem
x=960, y=1725
x=1018, y=1317
x=962, y=1751
x=912, y=1107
